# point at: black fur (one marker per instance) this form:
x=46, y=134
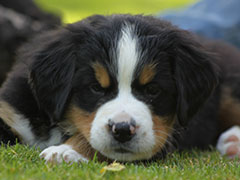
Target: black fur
x=54, y=71
x=51, y=74
x=7, y=136
x=196, y=77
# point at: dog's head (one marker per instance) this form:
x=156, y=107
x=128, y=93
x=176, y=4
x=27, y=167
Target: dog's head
x=123, y=81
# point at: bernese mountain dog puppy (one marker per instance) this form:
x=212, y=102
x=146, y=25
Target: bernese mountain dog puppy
x=124, y=87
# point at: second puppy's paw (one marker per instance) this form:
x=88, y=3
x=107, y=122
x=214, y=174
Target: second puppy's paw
x=229, y=142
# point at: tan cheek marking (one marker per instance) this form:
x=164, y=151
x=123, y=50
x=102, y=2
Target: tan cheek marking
x=80, y=140
x=229, y=112
x=81, y=119
x=162, y=130
x=147, y=74
x=82, y=122
x=80, y=144
x=102, y=75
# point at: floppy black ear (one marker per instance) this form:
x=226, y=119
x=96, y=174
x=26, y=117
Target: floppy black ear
x=196, y=76
x=52, y=71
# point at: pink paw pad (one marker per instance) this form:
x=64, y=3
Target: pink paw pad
x=229, y=142
x=232, y=150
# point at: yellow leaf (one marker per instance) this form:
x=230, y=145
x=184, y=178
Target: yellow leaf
x=112, y=167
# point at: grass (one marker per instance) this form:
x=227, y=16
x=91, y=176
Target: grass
x=23, y=163
x=74, y=10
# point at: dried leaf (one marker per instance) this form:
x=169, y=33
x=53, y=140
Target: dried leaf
x=112, y=167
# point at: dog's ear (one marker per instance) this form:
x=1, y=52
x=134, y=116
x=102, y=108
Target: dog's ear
x=53, y=60
x=196, y=76
x=52, y=70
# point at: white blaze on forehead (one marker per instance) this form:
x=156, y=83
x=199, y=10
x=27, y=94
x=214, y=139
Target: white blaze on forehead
x=127, y=58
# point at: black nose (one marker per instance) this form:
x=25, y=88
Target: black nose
x=122, y=131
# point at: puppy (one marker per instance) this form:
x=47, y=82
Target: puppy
x=127, y=87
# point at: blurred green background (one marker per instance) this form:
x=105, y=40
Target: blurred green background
x=74, y=10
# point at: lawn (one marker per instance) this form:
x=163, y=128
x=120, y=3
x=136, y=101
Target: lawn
x=23, y=163
x=74, y=10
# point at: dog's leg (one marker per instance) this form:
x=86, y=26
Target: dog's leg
x=229, y=142
x=7, y=136
x=75, y=149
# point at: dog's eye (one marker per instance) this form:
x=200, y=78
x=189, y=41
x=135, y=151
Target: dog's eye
x=96, y=89
x=152, y=90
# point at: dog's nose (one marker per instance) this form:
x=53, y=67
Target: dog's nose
x=122, y=131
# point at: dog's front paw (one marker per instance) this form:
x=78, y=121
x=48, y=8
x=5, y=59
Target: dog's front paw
x=58, y=154
x=229, y=142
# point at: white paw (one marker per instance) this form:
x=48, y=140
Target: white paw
x=62, y=153
x=229, y=142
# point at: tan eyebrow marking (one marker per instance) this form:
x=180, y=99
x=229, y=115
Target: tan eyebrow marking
x=147, y=74
x=101, y=74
